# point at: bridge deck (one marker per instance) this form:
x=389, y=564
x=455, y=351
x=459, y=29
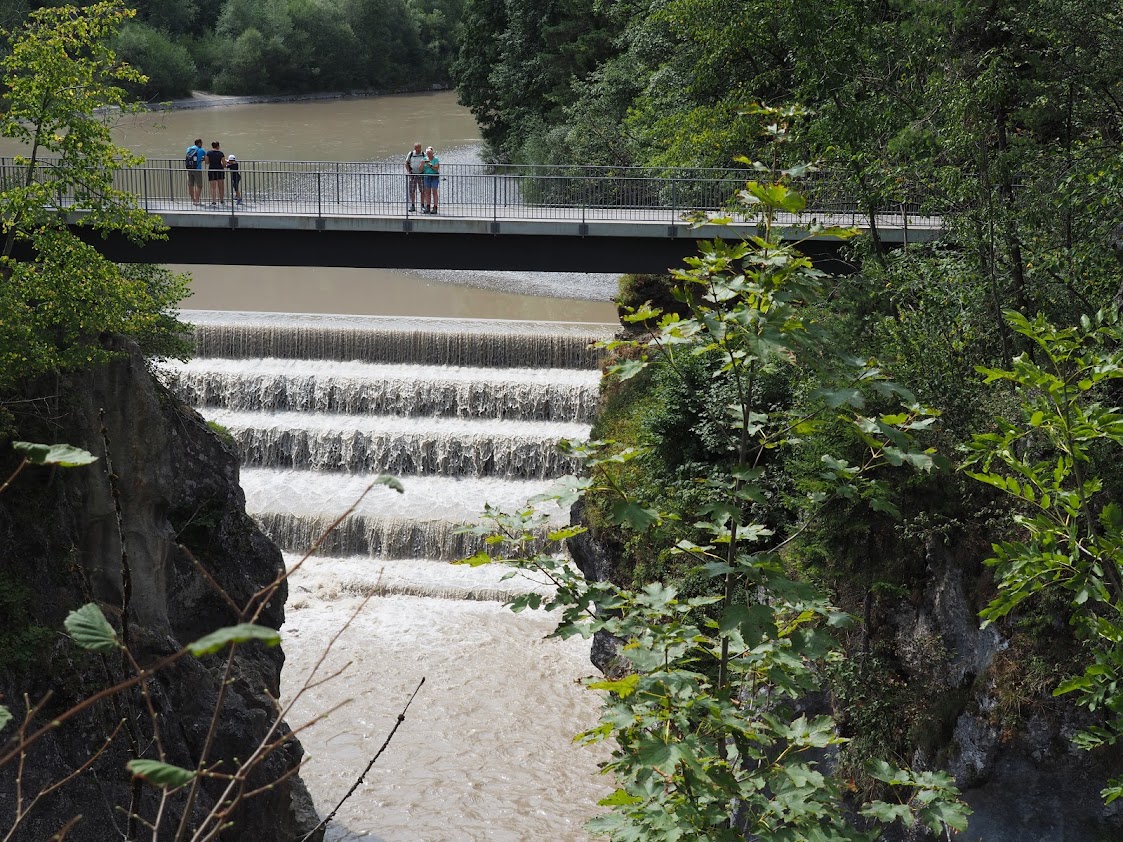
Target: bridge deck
x=583, y=219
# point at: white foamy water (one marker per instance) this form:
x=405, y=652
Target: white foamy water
x=425, y=498
x=330, y=578
x=466, y=413
x=484, y=752
x=390, y=425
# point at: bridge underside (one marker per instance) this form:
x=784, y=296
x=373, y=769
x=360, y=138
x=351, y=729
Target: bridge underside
x=244, y=246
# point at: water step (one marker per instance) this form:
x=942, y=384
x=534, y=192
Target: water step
x=456, y=342
x=271, y=384
x=327, y=578
x=296, y=509
x=376, y=536
x=425, y=498
x=401, y=446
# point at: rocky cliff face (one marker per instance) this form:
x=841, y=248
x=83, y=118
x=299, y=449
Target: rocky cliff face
x=1003, y=736
x=131, y=533
x=1010, y=745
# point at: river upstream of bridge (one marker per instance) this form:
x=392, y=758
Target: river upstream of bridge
x=461, y=385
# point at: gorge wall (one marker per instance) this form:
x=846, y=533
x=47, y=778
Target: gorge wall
x=62, y=544
x=1002, y=736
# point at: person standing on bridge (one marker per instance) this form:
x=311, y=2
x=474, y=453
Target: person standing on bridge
x=235, y=179
x=431, y=172
x=194, y=162
x=415, y=160
x=216, y=174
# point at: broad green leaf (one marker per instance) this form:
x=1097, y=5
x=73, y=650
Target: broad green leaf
x=1113, y=792
x=754, y=622
x=241, y=633
x=478, y=560
x=619, y=798
x=627, y=369
x=90, y=630
x=656, y=754
x=5, y=717
x=889, y=813
x=63, y=455
x=159, y=774
x=951, y=813
x=637, y=517
x=622, y=688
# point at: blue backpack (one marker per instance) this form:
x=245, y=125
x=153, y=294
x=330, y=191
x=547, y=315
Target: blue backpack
x=191, y=160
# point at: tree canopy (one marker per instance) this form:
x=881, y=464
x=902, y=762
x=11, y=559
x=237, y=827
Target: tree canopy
x=58, y=294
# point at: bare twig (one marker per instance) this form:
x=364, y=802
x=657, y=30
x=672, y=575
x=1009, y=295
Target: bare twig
x=263, y=596
x=65, y=829
x=23, y=464
x=265, y=747
x=89, y=702
x=362, y=777
x=21, y=814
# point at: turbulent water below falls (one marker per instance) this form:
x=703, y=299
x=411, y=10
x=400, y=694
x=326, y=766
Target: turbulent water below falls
x=463, y=412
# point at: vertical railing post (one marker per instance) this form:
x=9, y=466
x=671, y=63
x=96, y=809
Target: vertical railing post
x=171, y=186
x=144, y=184
x=338, y=186
x=584, y=196
x=319, y=193
x=495, y=197
x=674, y=199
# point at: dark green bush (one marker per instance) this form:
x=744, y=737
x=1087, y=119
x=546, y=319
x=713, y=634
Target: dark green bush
x=169, y=67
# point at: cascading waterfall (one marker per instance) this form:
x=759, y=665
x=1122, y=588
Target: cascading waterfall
x=464, y=413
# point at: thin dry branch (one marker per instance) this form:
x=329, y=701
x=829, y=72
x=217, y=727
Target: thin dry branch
x=89, y=702
x=22, y=814
x=401, y=718
x=228, y=799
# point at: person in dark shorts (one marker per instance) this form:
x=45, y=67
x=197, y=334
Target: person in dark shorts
x=216, y=174
x=196, y=152
x=235, y=179
x=415, y=161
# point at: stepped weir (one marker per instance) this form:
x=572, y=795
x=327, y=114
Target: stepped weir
x=463, y=412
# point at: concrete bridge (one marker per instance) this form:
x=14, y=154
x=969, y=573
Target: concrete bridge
x=513, y=218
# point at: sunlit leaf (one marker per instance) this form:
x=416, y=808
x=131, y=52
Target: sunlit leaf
x=622, y=688
x=241, y=633
x=162, y=775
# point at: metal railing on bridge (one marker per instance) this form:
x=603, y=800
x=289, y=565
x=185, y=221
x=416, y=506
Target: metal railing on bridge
x=477, y=191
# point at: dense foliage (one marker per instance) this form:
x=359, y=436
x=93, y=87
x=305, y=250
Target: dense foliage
x=58, y=295
x=288, y=47
x=709, y=719
x=1003, y=118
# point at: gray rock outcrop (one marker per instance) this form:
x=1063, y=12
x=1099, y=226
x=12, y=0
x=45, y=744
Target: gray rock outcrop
x=131, y=533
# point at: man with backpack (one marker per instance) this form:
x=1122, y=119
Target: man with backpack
x=193, y=161
x=415, y=162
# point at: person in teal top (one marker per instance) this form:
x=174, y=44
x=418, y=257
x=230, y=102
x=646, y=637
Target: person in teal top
x=195, y=154
x=431, y=175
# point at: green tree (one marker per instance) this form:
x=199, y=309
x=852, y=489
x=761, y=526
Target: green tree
x=166, y=65
x=519, y=63
x=174, y=19
x=323, y=56
x=1053, y=462
x=391, y=49
x=710, y=741
x=58, y=294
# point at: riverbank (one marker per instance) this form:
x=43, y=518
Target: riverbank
x=204, y=99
